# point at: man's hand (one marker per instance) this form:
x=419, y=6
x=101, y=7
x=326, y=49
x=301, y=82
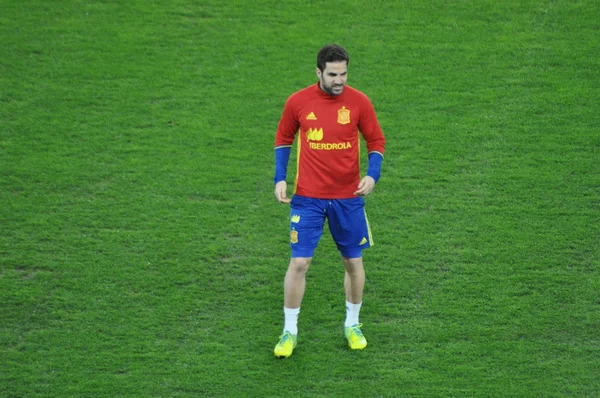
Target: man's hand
x=281, y=192
x=366, y=186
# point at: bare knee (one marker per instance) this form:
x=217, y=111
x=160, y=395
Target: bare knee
x=353, y=265
x=299, y=264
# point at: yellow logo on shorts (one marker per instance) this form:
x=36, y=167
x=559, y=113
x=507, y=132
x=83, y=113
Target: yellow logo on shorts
x=363, y=241
x=344, y=115
x=294, y=236
x=295, y=218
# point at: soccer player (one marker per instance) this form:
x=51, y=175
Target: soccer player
x=327, y=118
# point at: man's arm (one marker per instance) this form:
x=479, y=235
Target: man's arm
x=367, y=184
x=371, y=132
x=282, y=156
x=374, y=170
x=284, y=138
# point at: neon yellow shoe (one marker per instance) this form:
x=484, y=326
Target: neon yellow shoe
x=356, y=340
x=286, y=345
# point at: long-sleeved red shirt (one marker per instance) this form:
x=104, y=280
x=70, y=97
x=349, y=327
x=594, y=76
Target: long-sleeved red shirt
x=328, y=143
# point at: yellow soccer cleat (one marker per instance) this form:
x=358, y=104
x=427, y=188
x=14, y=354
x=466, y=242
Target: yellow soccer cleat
x=286, y=345
x=356, y=340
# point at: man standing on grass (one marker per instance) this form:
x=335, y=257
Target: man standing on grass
x=328, y=117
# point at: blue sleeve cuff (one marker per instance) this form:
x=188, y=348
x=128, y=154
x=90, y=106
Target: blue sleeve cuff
x=374, y=170
x=282, y=156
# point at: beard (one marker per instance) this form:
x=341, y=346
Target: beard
x=332, y=89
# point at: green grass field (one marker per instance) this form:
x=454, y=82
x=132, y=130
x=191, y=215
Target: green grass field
x=142, y=251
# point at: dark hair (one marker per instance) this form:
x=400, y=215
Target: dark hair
x=331, y=53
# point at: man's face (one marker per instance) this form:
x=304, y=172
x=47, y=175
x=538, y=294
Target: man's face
x=333, y=78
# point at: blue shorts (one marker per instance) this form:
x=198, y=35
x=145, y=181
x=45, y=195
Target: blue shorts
x=346, y=219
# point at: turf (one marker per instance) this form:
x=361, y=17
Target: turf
x=142, y=252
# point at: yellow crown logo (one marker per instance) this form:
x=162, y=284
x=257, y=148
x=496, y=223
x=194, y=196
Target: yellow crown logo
x=295, y=218
x=314, y=134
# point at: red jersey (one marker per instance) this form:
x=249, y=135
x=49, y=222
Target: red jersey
x=328, y=144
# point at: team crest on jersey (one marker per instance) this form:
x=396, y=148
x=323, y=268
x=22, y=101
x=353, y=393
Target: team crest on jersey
x=344, y=115
x=314, y=134
x=294, y=236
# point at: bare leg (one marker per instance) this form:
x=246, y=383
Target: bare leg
x=354, y=279
x=294, y=284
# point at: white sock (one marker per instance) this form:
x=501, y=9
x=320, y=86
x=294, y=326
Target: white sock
x=291, y=320
x=352, y=311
